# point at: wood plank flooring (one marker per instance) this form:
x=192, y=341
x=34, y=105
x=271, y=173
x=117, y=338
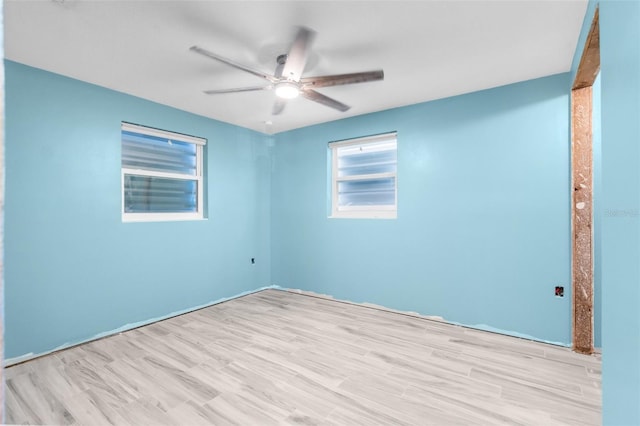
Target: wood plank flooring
x=277, y=357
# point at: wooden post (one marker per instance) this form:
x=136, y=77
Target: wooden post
x=582, y=218
x=582, y=190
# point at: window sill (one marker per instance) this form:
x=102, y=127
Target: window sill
x=162, y=219
x=367, y=215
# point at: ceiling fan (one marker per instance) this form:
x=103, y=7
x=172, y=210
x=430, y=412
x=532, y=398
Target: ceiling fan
x=287, y=80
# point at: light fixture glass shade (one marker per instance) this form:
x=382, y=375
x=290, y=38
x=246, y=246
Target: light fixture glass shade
x=287, y=90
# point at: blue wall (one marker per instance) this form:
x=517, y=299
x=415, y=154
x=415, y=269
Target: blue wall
x=73, y=269
x=482, y=235
x=620, y=75
x=619, y=206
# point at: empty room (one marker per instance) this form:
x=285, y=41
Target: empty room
x=320, y=212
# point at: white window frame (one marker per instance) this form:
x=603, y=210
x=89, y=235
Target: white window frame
x=361, y=212
x=198, y=177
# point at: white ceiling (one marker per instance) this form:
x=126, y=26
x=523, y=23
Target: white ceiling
x=428, y=49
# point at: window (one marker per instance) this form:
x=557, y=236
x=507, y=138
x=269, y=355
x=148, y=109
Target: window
x=161, y=175
x=364, y=177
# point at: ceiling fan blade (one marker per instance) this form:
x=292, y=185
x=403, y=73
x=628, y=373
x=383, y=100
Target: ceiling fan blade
x=234, y=64
x=340, y=79
x=298, y=54
x=236, y=90
x=312, y=95
x=278, y=106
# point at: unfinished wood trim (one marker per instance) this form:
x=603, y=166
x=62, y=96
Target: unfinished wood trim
x=582, y=191
x=582, y=218
x=590, y=60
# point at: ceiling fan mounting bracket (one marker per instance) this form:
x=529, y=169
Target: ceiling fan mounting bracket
x=281, y=59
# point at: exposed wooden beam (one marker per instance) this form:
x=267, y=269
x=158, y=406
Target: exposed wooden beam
x=590, y=61
x=582, y=191
x=582, y=219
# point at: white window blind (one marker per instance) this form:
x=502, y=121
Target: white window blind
x=364, y=177
x=161, y=174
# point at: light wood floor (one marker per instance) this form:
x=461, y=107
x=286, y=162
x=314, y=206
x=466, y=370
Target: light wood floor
x=277, y=357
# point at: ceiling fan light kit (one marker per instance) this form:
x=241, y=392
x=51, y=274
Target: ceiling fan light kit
x=287, y=80
x=287, y=90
